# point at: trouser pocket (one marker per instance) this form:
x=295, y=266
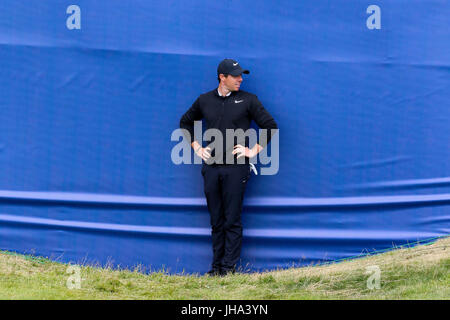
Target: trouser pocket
x=247, y=174
x=203, y=170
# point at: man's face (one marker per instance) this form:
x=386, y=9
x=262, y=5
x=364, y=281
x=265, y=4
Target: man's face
x=230, y=82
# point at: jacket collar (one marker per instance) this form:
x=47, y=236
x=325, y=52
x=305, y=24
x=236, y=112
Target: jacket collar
x=230, y=94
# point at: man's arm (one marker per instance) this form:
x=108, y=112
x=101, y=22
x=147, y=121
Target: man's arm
x=187, y=122
x=262, y=118
x=265, y=121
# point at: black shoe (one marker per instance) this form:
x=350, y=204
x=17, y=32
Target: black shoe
x=214, y=272
x=225, y=272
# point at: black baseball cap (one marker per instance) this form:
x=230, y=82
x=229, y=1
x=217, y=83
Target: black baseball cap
x=230, y=66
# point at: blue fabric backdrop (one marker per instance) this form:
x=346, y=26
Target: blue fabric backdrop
x=86, y=118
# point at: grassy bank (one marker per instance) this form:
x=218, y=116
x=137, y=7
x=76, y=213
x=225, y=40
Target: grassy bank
x=421, y=272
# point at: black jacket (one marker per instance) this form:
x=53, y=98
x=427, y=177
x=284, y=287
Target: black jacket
x=235, y=111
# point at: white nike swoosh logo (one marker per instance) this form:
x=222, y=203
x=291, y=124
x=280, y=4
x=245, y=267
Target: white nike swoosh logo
x=235, y=64
x=238, y=101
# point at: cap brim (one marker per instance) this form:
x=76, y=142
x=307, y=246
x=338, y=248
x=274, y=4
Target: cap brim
x=239, y=72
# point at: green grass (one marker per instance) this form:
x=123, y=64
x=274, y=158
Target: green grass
x=421, y=272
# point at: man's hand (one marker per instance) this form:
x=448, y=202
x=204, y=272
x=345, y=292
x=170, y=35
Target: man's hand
x=204, y=153
x=244, y=151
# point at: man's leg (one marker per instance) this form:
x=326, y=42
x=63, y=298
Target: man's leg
x=234, y=183
x=213, y=193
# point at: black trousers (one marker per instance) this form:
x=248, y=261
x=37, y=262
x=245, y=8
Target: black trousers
x=224, y=187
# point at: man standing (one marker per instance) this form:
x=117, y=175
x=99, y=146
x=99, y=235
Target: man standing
x=225, y=178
